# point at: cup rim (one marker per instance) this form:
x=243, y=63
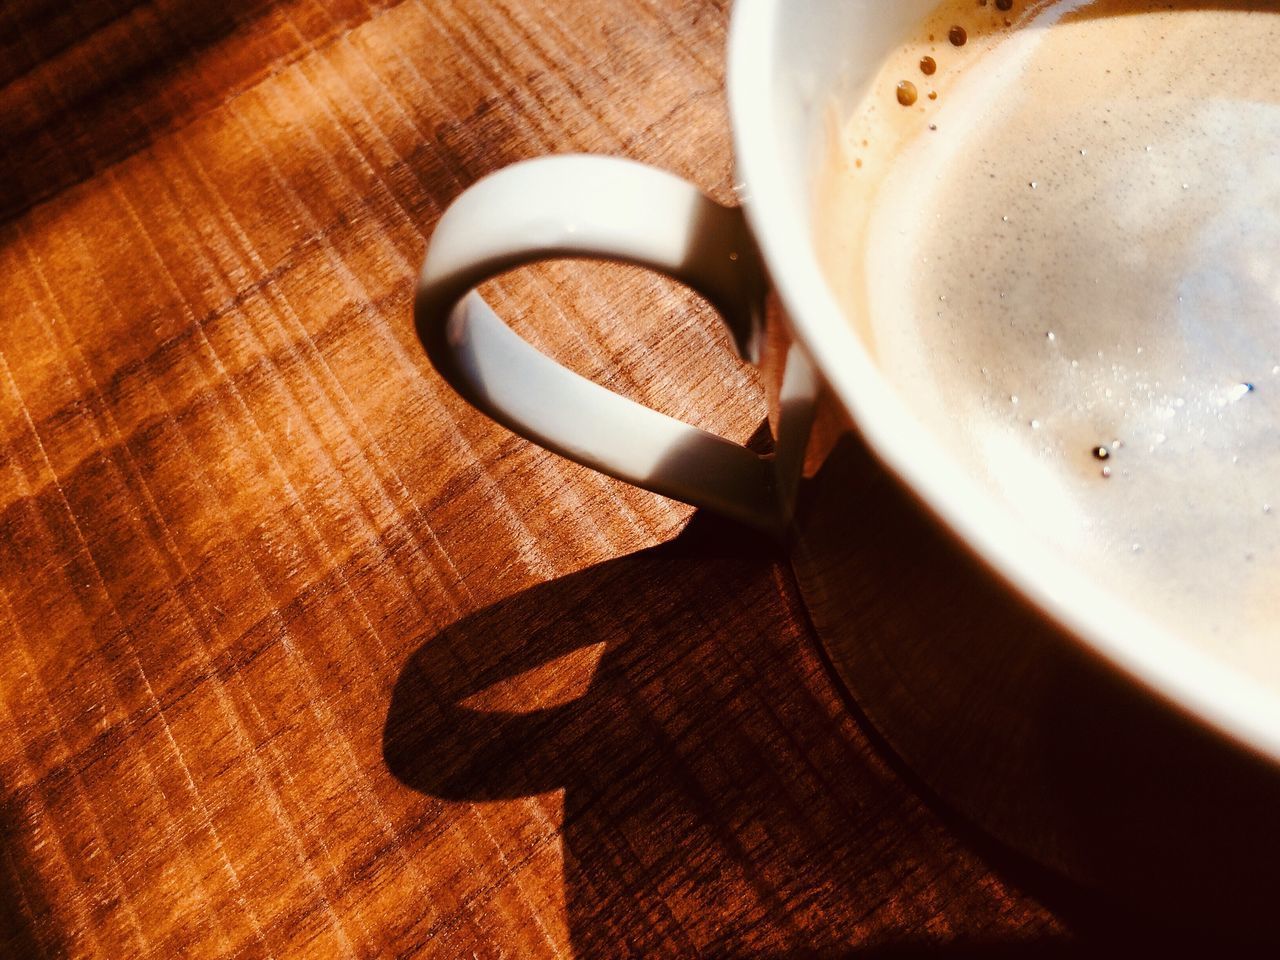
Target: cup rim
x=1207, y=689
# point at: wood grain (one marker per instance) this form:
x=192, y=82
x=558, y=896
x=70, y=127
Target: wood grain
x=299, y=656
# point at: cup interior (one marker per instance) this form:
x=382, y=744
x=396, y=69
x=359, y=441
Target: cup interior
x=796, y=69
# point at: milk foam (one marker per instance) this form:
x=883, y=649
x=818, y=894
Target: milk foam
x=1077, y=244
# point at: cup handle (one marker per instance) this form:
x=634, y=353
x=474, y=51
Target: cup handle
x=598, y=208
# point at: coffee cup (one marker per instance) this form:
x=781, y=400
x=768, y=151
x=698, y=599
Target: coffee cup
x=1046, y=706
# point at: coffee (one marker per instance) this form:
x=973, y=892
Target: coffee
x=1064, y=252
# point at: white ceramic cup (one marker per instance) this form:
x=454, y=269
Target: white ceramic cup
x=1046, y=709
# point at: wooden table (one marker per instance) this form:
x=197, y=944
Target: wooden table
x=300, y=655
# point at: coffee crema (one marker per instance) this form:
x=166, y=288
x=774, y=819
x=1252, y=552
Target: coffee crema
x=1064, y=253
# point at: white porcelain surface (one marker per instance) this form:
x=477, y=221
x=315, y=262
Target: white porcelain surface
x=608, y=208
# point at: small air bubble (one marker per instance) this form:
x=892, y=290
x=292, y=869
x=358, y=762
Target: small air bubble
x=1005, y=218
x=1240, y=391
x=1185, y=186
x=1106, y=473
x=1035, y=424
x=1266, y=508
x=1137, y=548
x=1014, y=399
x=1101, y=453
x=1051, y=336
x=1084, y=153
x=1034, y=185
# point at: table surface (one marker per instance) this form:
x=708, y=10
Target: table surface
x=300, y=655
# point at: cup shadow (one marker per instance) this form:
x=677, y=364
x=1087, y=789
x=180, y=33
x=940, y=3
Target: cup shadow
x=720, y=798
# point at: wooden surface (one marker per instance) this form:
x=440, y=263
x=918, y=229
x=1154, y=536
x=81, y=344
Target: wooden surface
x=299, y=655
